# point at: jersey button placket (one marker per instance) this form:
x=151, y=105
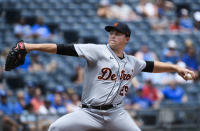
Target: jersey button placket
x=120, y=80
x=117, y=84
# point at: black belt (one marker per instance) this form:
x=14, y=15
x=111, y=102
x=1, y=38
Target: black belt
x=103, y=107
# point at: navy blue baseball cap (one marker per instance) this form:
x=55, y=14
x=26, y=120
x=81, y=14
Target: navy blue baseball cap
x=119, y=26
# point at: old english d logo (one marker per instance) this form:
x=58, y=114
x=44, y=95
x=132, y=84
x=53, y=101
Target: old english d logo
x=115, y=24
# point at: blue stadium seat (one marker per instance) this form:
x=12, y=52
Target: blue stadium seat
x=39, y=12
x=70, y=20
x=47, y=19
x=97, y=19
x=77, y=13
x=51, y=85
x=63, y=27
x=71, y=36
x=195, y=6
x=52, y=13
x=39, y=1
x=177, y=1
x=85, y=33
x=59, y=5
x=90, y=13
x=32, y=5
x=65, y=13
x=44, y=5
x=171, y=15
x=67, y=1
x=83, y=20
x=18, y=5
x=26, y=12
x=92, y=2
x=77, y=26
x=57, y=19
x=73, y=6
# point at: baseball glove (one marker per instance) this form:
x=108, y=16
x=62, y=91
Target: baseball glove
x=16, y=56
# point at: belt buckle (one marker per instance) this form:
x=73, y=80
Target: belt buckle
x=100, y=107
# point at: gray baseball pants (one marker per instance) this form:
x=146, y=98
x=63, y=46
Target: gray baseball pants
x=87, y=119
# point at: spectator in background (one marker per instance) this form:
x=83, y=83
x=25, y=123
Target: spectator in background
x=5, y=106
x=186, y=22
x=2, y=87
x=139, y=101
x=190, y=59
x=159, y=23
x=59, y=104
x=146, y=9
x=75, y=102
x=170, y=54
x=28, y=118
x=66, y=98
x=58, y=90
x=3, y=56
x=104, y=9
x=150, y=92
x=188, y=44
x=20, y=104
x=47, y=108
x=169, y=5
x=196, y=16
x=51, y=67
x=22, y=30
x=1, y=76
x=47, y=115
x=37, y=100
x=175, y=27
x=124, y=12
x=79, y=75
x=27, y=64
x=163, y=8
x=40, y=30
x=8, y=124
x=6, y=109
x=78, y=79
x=145, y=54
x=36, y=65
x=174, y=93
x=160, y=4
x=29, y=93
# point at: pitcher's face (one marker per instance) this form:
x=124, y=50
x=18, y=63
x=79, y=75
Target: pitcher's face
x=117, y=38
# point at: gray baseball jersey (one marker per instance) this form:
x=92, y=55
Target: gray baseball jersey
x=107, y=77
x=106, y=81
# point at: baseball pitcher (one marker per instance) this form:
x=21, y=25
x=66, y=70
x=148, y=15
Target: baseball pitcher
x=107, y=78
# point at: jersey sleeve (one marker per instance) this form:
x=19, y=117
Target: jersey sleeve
x=90, y=52
x=139, y=65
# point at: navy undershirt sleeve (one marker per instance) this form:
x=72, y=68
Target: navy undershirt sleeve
x=149, y=66
x=69, y=50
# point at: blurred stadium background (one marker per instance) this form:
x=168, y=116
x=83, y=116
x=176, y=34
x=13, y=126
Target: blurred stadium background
x=48, y=86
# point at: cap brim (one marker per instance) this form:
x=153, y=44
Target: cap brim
x=109, y=28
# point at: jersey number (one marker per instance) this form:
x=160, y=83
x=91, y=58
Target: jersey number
x=123, y=91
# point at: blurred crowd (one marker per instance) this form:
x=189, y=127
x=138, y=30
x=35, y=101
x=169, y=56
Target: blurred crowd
x=20, y=108
x=30, y=104
x=39, y=30
x=158, y=12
